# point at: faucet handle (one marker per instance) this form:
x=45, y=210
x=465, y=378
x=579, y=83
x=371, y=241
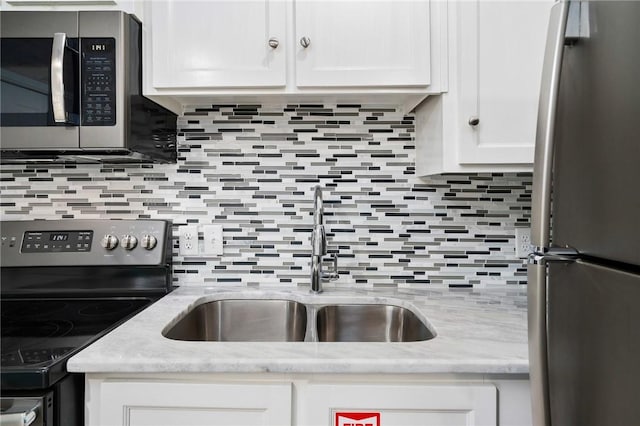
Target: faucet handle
x=334, y=274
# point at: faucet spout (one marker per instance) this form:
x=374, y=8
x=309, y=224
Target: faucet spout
x=318, y=241
x=318, y=208
x=319, y=236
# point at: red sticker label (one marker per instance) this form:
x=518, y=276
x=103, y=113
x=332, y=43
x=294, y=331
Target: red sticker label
x=357, y=419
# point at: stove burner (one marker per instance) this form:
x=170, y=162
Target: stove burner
x=33, y=309
x=103, y=309
x=39, y=329
x=61, y=326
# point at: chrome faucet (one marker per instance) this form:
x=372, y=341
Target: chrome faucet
x=319, y=245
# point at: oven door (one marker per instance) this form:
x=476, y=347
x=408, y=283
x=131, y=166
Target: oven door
x=27, y=410
x=59, y=405
x=40, y=81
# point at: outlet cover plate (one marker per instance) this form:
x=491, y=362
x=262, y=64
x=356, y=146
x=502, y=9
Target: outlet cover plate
x=188, y=240
x=523, y=242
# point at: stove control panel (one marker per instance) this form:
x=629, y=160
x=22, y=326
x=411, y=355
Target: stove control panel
x=85, y=242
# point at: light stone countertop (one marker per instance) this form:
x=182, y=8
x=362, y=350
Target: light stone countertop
x=478, y=331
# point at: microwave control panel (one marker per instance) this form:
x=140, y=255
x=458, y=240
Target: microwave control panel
x=98, y=81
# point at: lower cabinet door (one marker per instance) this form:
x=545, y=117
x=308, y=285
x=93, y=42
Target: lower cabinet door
x=150, y=403
x=396, y=405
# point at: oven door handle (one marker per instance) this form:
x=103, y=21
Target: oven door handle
x=57, y=77
x=22, y=416
x=18, y=419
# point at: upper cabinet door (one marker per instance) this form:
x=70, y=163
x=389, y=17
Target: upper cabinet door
x=362, y=43
x=500, y=53
x=218, y=43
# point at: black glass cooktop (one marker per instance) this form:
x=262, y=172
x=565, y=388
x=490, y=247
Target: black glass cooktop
x=39, y=335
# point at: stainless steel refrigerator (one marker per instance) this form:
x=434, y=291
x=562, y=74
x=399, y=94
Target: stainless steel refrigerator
x=584, y=279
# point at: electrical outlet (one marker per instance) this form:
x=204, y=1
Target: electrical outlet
x=523, y=242
x=188, y=242
x=213, y=242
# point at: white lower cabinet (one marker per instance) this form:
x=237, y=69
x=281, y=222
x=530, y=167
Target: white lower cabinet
x=389, y=405
x=304, y=400
x=176, y=403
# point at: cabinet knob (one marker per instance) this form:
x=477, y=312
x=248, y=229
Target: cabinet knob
x=305, y=42
x=274, y=43
x=474, y=121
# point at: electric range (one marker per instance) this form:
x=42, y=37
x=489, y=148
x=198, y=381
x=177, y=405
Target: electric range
x=64, y=284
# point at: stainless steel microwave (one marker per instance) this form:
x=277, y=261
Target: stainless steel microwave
x=71, y=89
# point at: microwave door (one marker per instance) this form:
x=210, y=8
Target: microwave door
x=39, y=94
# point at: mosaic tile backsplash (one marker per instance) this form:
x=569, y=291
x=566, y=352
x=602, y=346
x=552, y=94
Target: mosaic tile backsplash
x=252, y=169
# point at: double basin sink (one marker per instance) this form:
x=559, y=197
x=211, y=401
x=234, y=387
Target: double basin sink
x=280, y=320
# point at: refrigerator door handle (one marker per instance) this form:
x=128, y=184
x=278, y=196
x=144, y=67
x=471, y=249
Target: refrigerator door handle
x=537, y=328
x=537, y=324
x=543, y=160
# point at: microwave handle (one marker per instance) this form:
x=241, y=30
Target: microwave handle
x=57, y=77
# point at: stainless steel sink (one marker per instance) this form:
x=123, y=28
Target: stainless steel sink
x=370, y=323
x=243, y=320
x=282, y=320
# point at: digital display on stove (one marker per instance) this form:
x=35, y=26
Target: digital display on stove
x=57, y=241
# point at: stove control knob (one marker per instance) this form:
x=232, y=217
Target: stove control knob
x=110, y=242
x=149, y=242
x=129, y=242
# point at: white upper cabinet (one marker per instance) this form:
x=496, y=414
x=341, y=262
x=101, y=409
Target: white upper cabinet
x=378, y=51
x=488, y=118
x=222, y=43
x=500, y=56
x=362, y=43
